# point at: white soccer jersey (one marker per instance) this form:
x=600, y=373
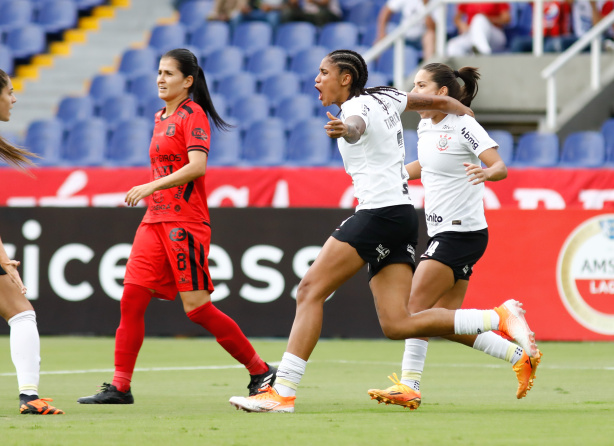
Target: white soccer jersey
x=451, y=202
x=376, y=162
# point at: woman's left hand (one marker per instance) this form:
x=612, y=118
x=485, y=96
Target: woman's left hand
x=137, y=193
x=475, y=173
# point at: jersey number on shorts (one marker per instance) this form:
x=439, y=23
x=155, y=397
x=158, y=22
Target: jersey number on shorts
x=431, y=249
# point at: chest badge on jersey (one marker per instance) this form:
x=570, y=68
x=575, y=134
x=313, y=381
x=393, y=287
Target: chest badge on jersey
x=170, y=130
x=442, y=144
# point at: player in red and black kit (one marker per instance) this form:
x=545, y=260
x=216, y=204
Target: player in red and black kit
x=171, y=246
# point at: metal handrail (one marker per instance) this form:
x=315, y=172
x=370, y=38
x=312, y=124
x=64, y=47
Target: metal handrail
x=592, y=37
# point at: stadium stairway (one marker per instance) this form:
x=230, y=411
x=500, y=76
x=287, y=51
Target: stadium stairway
x=89, y=50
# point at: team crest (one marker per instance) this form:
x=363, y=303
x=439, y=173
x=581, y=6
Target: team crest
x=442, y=144
x=170, y=130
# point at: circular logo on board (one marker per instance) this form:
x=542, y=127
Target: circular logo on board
x=585, y=274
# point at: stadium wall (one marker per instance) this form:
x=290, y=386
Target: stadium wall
x=560, y=263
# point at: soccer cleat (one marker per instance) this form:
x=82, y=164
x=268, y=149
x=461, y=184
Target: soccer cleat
x=257, y=382
x=513, y=324
x=39, y=407
x=267, y=400
x=399, y=394
x=525, y=372
x=108, y=395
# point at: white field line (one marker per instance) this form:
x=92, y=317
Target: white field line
x=394, y=364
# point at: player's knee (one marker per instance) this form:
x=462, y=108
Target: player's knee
x=392, y=329
x=307, y=292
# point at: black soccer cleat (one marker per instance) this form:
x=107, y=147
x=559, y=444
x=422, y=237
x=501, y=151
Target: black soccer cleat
x=108, y=395
x=257, y=382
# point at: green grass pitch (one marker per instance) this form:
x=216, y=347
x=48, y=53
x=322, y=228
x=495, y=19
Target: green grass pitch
x=182, y=386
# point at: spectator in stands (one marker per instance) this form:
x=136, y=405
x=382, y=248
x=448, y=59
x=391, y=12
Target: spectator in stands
x=480, y=27
x=170, y=249
x=381, y=233
x=421, y=36
x=557, y=30
x=225, y=10
x=608, y=43
x=318, y=12
x=15, y=308
x=260, y=10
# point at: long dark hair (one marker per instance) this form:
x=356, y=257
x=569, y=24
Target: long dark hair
x=351, y=62
x=188, y=65
x=9, y=153
x=444, y=76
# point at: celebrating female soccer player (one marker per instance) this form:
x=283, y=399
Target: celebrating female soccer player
x=14, y=307
x=382, y=233
x=171, y=245
x=450, y=152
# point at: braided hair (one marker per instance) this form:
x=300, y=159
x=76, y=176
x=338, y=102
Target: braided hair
x=351, y=62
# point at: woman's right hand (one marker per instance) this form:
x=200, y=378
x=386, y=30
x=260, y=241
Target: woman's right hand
x=10, y=268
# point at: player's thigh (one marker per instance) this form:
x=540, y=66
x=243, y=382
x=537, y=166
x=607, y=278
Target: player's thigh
x=431, y=282
x=391, y=288
x=335, y=264
x=12, y=302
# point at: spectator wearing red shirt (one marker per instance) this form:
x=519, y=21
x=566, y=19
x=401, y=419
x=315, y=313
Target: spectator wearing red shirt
x=480, y=27
x=557, y=30
x=171, y=246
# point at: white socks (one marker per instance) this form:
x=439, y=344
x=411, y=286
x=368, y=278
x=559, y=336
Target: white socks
x=414, y=357
x=498, y=347
x=25, y=351
x=289, y=374
x=475, y=321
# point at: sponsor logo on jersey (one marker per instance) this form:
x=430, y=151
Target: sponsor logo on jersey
x=585, y=274
x=442, y=144
x=178, y=234
x=199, y=133
x=470, y=138
x=400, y=141
x=162, y=158
x=433, y=218
x=177, y=208
x=179, y=191
x=170, y=130
x=365, y=109
x=157, y=197
x=383, y=252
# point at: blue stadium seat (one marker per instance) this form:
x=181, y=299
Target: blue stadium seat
x=306, y=63
x=225, y=147
x=267, y=62
x=607, y=130
x=117, y=109
x=252, y=36
x=249, y=109
x=362, y=15
x=265, y=143
x=6, y=59
x=86, y=144
x=410, y=138
x=151, y=106
x=87, y=4
x=537, y=150
x=192, y=14
x=294, y=109
x=75, y=108
x=138, y=61
x=296, y=36
x=236, y=86
x=338, y=35
x=583, y=149
x=104, y=86
x=58, y=15
x=44, y=138
x=506, y=144
x=221, y=105
x=15, y=14
x=308, y=144
x=223, y=62
x=26, y=41
x=385, y=63
x=144, y=86
x=210, y=36
x=377, y=79
x=280, y=86
x=167, y=37
x=129, y=143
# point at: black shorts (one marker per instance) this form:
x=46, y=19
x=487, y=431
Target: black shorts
x=2, y=272
x=382, y=236
x=458, y=250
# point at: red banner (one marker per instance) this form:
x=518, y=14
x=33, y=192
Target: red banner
x=300, y=187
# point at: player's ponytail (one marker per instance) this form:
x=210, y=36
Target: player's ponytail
x=444, y=76
x=188, y=65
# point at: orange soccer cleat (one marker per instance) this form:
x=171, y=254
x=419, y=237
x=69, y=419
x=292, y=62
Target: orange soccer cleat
x=513, y=324
x=525, y=369
x=39, y=407
x=399, y=394
x=267, y=400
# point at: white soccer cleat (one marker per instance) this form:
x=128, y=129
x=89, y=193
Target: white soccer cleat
x=268, y=400
x=514, y=325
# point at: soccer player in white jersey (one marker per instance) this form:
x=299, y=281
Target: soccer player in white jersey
x=451, y=150
x=382, y=233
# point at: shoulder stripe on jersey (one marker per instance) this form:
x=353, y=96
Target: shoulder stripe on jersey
x=188, y=191
x=185, y=106
x=200, y=148
x=193, y=265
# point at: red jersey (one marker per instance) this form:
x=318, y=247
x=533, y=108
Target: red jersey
x=488, y=9
x=557, y=19
x=174, y=136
